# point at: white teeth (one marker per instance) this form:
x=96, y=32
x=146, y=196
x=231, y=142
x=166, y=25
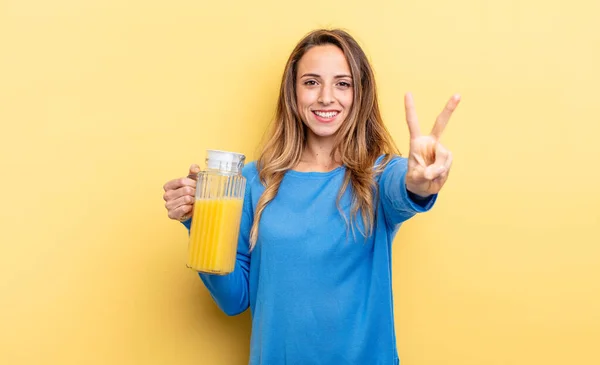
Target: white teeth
x=326, y=115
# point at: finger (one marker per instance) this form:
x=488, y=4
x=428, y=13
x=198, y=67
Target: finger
x=448, y=163
x=438, y=167
x=178, y=183
x=194, y=170
x=444, y=175
x=444, y=117
x=182, y=200
x=419, y=158
x=181, y=212
x=411, y=116
x=184, y=190
x=416, y=175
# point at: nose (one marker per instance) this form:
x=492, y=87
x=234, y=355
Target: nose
x=326, y=96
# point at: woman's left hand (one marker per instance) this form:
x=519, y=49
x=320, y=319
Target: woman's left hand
x=428, y=161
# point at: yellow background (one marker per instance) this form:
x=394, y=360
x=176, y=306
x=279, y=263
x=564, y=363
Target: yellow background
x=102, y=102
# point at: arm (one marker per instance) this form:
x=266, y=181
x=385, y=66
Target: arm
x=231, y=292
x=410, y=186
x=398, y=203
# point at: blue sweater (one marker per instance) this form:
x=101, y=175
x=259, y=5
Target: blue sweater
x=317, y=294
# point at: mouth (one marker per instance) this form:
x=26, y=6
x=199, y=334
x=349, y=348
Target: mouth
x=325, y=116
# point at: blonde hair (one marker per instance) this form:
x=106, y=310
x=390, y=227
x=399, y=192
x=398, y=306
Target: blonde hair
x=360, y=140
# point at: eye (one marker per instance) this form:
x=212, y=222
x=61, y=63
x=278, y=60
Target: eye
x=310, y=83
x=344, y=84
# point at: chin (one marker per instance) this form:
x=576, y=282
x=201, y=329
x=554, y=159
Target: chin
x=324, y=132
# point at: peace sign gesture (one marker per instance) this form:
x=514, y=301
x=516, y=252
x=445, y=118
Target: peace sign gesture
x=428, y=161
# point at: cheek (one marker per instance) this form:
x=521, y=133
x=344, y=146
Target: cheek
x=305, y=99
x=300, y=98
x=347, y=101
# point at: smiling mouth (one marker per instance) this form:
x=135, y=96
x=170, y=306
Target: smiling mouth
x=329, y=114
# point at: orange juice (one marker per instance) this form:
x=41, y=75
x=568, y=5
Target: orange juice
x=214, y=235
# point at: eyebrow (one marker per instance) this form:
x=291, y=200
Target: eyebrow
x=316, y=75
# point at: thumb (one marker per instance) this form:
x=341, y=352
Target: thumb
x=194, y=170
x=439, y=166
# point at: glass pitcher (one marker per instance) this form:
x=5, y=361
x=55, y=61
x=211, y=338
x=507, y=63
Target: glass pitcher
x=217, y=212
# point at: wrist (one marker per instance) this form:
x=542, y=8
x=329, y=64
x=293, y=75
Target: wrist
x=417, y=196
x=415, y=192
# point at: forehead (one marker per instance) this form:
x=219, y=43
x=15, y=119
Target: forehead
x=324, y=60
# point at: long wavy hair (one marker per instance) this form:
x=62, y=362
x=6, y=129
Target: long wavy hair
x=359, y=141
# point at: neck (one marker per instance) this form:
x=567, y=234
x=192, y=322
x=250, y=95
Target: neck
x=317, y=155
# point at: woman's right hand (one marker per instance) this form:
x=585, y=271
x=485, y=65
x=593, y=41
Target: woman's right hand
x=180, y=195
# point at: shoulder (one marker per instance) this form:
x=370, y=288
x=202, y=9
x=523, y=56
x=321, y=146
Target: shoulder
x=393, y=162
x=250, y=172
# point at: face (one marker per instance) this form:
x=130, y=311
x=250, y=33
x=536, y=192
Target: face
x=323, y=90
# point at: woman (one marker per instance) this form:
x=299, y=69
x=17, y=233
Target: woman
x=322, y=206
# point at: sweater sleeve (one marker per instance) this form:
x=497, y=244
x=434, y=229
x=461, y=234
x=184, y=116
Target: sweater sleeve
x=231, y=292
x=398, y=203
